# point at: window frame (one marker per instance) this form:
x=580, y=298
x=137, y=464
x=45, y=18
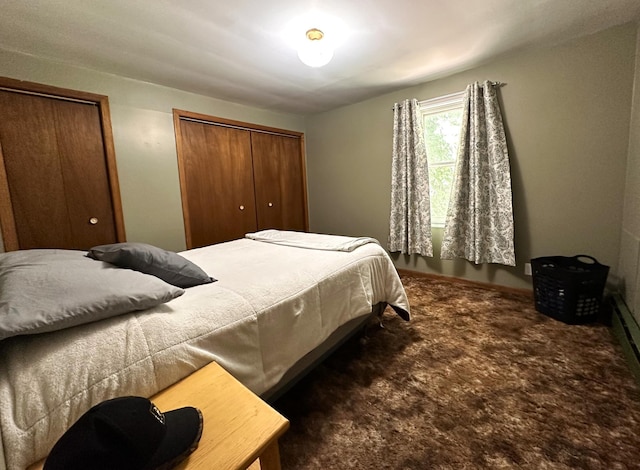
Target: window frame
x=438, y=105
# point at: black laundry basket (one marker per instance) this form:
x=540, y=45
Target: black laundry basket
x=568, y=288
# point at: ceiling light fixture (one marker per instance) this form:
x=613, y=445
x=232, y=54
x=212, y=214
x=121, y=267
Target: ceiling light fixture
x=315, y=52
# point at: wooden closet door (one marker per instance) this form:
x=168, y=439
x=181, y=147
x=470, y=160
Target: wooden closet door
x=217, y=183
x=279, y=175
x=84, y=171
x=56, y=172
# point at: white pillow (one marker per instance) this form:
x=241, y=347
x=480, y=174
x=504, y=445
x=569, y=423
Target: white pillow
x=48, y=290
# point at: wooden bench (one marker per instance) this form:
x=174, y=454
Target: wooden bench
x=240, y=430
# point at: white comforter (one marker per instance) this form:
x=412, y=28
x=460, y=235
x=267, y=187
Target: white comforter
x=271, y=305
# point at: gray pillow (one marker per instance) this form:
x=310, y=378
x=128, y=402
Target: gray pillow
x=48, y=290
x=149, y=259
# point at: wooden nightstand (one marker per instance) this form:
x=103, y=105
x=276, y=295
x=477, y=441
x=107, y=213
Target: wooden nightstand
x=240, y=430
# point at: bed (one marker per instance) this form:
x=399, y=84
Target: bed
x=279, y=302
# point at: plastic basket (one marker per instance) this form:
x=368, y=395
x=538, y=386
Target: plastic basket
x=568, y=288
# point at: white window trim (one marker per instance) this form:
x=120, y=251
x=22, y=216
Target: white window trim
x=442, y=103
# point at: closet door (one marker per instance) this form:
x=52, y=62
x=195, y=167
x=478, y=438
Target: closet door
x=216, y=177
x=55, y=174
x=237, y=177
x=279, y=177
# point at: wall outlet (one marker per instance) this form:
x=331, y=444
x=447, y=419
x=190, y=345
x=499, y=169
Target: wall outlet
x=527, y=269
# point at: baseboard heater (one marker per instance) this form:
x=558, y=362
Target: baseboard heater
x=627, y=332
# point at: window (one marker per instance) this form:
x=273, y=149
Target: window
x=441, y=121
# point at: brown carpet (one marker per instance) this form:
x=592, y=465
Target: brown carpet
x=478, y=379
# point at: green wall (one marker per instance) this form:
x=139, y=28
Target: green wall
x=566, y=111
x=144, y=139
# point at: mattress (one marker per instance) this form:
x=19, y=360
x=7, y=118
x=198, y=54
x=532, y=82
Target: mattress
x=271, y=306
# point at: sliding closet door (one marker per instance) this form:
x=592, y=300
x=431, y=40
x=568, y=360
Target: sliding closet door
x=279, y=175
x=237, y=177
x=55, y=172
x=84, y=173
x=216, y=177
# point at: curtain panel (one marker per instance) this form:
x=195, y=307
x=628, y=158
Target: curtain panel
x=479, y=223
x=410, y=219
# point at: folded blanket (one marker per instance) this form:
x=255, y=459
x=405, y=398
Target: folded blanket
x=314, y=241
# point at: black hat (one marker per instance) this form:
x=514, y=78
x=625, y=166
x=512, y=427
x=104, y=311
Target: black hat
x=127, y=433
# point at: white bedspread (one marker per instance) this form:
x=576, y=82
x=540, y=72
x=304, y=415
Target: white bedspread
x=271, y=305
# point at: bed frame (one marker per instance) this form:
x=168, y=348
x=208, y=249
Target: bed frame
x=627, y=332
x=319, y=354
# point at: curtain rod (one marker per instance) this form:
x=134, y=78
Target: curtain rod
x=492, y=83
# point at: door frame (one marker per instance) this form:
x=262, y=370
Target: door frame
x=7, y=218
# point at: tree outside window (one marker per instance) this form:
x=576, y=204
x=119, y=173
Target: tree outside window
x=441, y=121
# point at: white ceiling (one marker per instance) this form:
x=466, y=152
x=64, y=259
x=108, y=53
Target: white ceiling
x=237, y=50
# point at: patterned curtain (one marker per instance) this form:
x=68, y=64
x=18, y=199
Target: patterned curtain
x=410, y=220
x=479, y=224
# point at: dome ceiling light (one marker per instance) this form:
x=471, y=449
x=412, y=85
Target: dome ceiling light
x=314, y=51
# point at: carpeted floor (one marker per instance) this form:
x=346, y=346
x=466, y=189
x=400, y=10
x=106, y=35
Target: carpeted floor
x=478, y=379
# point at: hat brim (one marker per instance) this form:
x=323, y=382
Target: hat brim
x=184, y=429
